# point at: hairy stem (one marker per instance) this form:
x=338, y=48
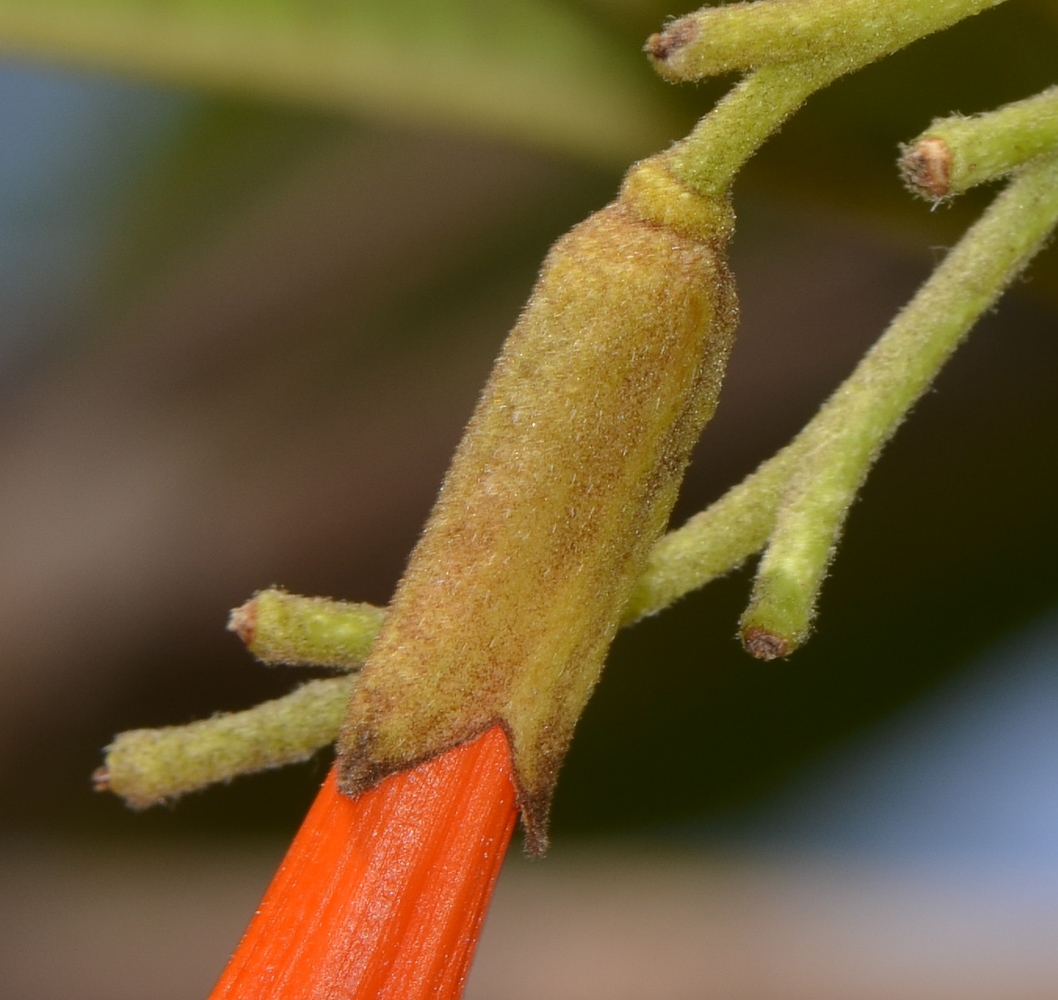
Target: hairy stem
x=149, y=766
x=708, y=159
x=796, y=47
x=956, y=153
x=844, y=439
x=744, y=36
x=714, y=541
x=282, y=628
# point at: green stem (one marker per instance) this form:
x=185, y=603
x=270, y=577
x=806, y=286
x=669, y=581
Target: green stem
x=714, y=541
x=708, y=159
x=956, y=153
x=844, y=439
x=149, y=766
x=799, y=46
x=282, y=628
x=749, y=35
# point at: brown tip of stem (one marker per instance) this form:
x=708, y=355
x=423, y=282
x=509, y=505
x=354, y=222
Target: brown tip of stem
x=926, y=167
x=677, y=35
x=101, y=779
x=764, y=644
x=243, y=621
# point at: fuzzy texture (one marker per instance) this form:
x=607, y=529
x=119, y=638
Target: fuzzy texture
x=741, y=36
x=278, y=627
x=565, y=478
x=149, y=766
x=956, y=153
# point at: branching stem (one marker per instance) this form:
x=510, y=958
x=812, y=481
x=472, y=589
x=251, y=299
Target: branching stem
x=714, y=541
x=797, y=501
x=842, y=441
x=796, y=47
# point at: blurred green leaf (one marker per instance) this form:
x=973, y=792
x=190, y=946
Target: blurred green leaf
x=531, y=70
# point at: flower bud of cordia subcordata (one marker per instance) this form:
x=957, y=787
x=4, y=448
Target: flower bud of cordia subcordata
x=564, y=479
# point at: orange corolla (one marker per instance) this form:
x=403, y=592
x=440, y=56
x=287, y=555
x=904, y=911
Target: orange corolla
x=384, y=896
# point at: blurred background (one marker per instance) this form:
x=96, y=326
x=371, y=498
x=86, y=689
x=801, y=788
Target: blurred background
x=252, y=276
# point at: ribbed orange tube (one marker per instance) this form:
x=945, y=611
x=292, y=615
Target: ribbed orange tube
x=384, y=897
